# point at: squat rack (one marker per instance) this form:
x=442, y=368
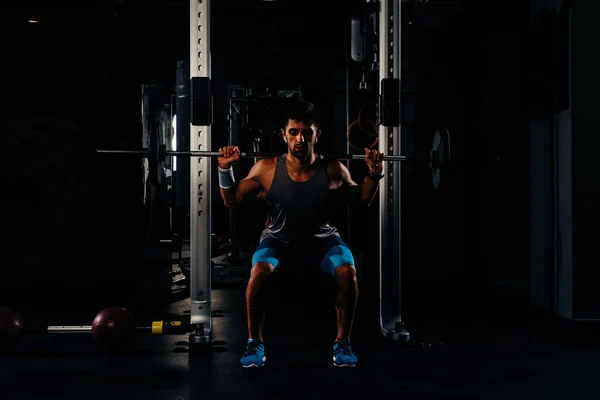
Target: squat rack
x=389, y=56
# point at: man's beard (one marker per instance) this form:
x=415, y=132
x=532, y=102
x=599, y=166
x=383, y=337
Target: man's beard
x=302, y=154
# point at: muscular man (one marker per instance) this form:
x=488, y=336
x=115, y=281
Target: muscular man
x=298, y=185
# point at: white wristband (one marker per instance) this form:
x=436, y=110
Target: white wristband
x=226, y=178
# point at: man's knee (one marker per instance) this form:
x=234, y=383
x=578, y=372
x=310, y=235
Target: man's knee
x=346, y=275
x=261, y=269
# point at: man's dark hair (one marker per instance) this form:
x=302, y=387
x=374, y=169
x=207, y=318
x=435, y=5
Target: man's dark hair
x=300, y=110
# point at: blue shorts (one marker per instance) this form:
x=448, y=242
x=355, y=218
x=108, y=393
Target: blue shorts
x=328, y=253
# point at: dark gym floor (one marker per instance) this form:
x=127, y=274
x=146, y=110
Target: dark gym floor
x=488, y=355
x=491, y=356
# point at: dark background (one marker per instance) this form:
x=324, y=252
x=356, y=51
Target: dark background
x=72, y=220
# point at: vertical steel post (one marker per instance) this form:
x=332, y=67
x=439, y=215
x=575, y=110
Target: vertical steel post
x=200, y=184
x=390, y=262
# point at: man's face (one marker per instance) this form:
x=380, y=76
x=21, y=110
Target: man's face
x=300, y=137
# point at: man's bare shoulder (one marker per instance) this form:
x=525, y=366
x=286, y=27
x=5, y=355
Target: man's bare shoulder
x=268, y=162
x=265, y=165
x=334, y=167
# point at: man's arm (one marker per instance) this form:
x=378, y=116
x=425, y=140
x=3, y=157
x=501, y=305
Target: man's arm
x=249, y=186
x=364, y=193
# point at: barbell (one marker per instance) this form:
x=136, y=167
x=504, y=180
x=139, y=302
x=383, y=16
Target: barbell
x=112, y=326
x=163, y=153
x=438, y=158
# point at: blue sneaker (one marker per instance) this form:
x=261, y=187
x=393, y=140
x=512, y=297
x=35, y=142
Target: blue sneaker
x=254, y=357
x=343, y=355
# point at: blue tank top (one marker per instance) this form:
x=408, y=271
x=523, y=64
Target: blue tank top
x=299, y=212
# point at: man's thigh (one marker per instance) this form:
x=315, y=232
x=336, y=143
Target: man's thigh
x=270, y=251
x=330, y=253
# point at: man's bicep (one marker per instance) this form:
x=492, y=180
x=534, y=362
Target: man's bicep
x=344, y=175
x=248, y=186
x=345, y=188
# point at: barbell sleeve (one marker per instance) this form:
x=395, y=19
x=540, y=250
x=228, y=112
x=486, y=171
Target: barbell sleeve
x=68, y=329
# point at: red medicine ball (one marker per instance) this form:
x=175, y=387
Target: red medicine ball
x=113, y=326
